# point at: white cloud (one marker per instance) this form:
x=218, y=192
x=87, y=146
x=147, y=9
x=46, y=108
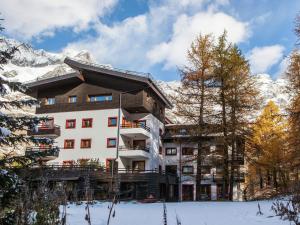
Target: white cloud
x=187, y=28
x=120, y=44
x=263, y=58
x=162, y=35
x=28, y=18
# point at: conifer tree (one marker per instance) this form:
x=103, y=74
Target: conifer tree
x=243, y=102
x=237, y=99
x=267, y=150
x=293, y=75
x=13, y=133
x=193, y=97
x=221, y=77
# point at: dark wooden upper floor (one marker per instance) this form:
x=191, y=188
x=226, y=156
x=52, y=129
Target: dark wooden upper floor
x=93, y=89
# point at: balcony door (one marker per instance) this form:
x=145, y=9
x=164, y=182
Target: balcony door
x=138, y=165
x=139, y=144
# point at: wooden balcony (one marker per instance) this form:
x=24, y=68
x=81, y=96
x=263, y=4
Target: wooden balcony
x=75, y=172
x=45, y=131
x=42, y=153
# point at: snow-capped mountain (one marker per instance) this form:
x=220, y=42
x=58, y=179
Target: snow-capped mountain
x=269, y=89
x=29, y=64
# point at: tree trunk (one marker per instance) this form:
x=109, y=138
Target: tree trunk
x=225, y=144
x=200, y=133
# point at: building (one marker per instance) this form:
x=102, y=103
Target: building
x=116, y=119
x=180, y=157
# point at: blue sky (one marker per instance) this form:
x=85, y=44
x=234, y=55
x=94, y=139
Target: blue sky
x=153, y=36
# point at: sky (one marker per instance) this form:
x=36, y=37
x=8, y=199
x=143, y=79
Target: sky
x=154, y=35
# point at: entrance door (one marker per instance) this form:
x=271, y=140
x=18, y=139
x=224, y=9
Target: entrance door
x=205, y=192
x=187, y=192
x=138, y=165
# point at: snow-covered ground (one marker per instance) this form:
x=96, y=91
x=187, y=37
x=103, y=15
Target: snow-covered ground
x=189, y=213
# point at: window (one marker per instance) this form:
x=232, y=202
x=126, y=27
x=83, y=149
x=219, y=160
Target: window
x=111, y=142
x=187, y=151
x=69, y=143
x=68, y=162
x=72, y=99
x=100, y=98
x=112, y=121
x=70, y=124
x=87, y=123
x=85, y=143
x=187, y=169
x=50, y=101
x=183, y=131
x=138, y=165
x=171, y=151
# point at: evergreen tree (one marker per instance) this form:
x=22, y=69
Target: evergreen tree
x=13, y=133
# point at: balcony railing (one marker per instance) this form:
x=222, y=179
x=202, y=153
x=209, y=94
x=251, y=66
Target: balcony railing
x=134, y=148
x=42, y=152
x=48, y=130
x=135, y=125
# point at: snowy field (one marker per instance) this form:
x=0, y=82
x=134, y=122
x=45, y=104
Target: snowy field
x=189, y=213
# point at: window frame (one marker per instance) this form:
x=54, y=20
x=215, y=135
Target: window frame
x=68, y=120
x=172, y=154
x=182, y=170
x=111, y=146
x=84, y=119
x=47, y=102
x=86, y=139
x=89, y=97
x=72, y=96
x=109, y=123
x=65, y=145
x=183, y=148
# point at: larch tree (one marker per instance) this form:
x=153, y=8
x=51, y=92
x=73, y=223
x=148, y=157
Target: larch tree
x=242, y=101
x=236, y=100
x=221, y=73
x=192, y=102
x=267, y=150
x=293, y=109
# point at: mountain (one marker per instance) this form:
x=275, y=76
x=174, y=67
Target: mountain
x=269, y=89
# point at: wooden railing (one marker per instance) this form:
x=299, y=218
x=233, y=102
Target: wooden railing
x=45, y=130
x=42, y=151
x=135, y=125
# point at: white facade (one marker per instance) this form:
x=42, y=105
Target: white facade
x=100, y=132
x=190, y=179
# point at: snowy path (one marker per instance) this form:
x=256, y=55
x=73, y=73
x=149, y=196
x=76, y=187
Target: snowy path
x=190, y=213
